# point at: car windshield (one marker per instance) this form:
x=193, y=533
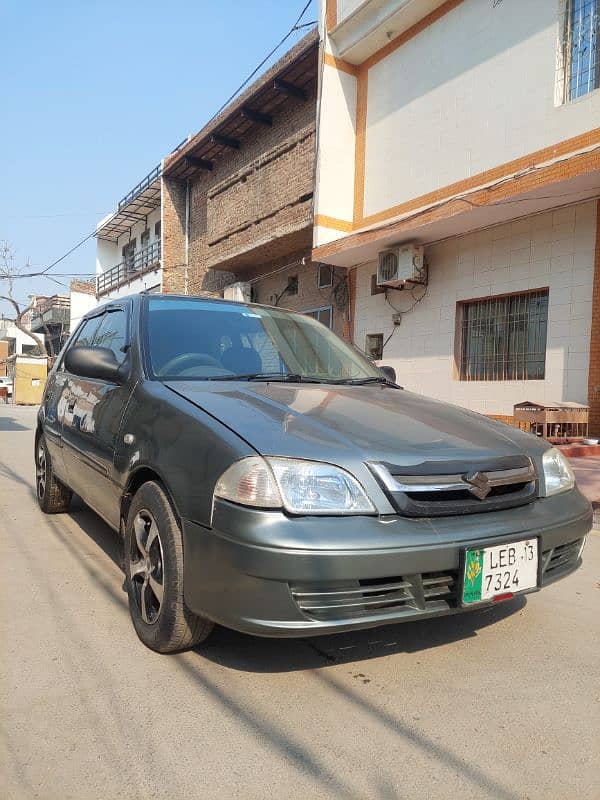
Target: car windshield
x=199, y=339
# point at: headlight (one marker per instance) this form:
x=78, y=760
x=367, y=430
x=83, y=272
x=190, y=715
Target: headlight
x=301, y=487
x=558, y=475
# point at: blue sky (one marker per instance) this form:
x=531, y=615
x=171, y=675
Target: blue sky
x=94, y=94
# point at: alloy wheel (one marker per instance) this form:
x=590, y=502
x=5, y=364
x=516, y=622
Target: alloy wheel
x=146, y=566
x=41, y=471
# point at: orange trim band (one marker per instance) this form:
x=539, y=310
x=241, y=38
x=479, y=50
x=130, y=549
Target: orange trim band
x=331, y=14
x=323, y=221
x=360, y=145
x=562, y=148
x=340, y=64
x=576, y=165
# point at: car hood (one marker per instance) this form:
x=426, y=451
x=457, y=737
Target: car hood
x=340, y=424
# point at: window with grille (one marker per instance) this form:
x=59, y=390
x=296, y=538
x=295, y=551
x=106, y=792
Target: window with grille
x=579, y=59
x=504, y=338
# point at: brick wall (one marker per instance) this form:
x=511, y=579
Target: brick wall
x=254, y=209
x=270, y=288
x=594, y=376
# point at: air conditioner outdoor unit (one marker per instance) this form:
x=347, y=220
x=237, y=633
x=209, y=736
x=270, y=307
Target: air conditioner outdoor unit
x=239, y=291
x=397, y=266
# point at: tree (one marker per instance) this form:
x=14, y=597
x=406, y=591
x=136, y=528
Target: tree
x=8, y=273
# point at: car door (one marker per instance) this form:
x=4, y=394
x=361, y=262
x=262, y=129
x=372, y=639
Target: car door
x=56, y=399
x=93, y=420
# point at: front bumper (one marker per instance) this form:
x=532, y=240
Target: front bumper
x=267, y=574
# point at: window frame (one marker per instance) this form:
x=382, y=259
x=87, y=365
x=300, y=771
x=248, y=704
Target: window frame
x=565, y=59
x=320, y=284
x=368, y=336
x=458, y=367
x=311, y=311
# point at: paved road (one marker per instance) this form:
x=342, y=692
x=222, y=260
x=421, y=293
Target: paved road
x=503, y=704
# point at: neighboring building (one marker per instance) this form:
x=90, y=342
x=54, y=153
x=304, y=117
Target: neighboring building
x=471, y=128
x=128, y=253
x=83, y=299
x=50, y=316
x=238, y=198
x=18, y=343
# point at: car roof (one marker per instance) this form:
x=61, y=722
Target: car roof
x=139, y=296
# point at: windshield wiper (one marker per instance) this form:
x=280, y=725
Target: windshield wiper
x=363, y=381
x=259, y=376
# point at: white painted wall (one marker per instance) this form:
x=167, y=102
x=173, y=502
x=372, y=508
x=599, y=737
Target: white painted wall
x=472, y=91
x=347, y=7
x=109, y=254
x=81, y=303
x=335, y=174
x=8, y=330
x=554, y=249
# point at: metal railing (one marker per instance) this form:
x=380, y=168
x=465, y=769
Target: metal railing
x=145, y=183
x=53, y=311
x=132, y=267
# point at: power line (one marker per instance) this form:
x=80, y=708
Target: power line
x=295, y=27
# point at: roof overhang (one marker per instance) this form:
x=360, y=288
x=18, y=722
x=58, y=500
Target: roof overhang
x=134, y=207
x=376, y=23
x=294, y=75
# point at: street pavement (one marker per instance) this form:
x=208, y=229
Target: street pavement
x=497, y=704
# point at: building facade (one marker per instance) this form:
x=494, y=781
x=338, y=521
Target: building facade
x=17, y=342
x=233, y=205
x=128, y=251
x=237, y=198
x=470, y=129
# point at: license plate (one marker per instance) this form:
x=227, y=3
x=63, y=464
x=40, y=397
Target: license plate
x=500, y=570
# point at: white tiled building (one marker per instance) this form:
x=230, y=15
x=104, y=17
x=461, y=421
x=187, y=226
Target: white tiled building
x=472, y=129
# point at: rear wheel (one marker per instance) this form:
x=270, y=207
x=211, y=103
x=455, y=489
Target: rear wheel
x=154, y=575
x=52, y=495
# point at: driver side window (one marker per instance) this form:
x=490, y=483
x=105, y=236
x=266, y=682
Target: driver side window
x=112, y=333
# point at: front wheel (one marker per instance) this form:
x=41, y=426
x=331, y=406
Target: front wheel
x=154, y=575
x=52, y=495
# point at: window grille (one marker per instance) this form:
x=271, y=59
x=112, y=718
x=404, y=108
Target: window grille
x=504, y=338
x=579, y=60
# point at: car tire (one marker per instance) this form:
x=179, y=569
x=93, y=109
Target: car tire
x=153, y=561
x=52, y=495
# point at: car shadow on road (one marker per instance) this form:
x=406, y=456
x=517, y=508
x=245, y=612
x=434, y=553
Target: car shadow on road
x=251, y=654
x=10, y=424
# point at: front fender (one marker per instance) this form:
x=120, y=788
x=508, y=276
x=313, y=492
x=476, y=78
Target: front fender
x=186, y=447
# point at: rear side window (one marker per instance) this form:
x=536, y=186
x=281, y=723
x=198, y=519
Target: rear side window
x=112, y=333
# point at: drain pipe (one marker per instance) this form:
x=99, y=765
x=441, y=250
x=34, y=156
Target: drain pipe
x=187, y=233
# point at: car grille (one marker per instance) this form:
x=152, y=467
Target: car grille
x=560, y=559
x=430, y=591
x=407, y=595
x=446, y=488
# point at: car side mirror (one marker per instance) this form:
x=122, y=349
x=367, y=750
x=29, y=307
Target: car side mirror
x=390, y=373
x=94, y=362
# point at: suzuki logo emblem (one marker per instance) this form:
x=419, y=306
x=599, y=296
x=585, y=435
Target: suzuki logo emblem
x=479, y=484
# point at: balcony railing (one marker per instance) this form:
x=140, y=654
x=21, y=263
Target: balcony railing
x=53, y=311
x=132, y=267
x=139, y=188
